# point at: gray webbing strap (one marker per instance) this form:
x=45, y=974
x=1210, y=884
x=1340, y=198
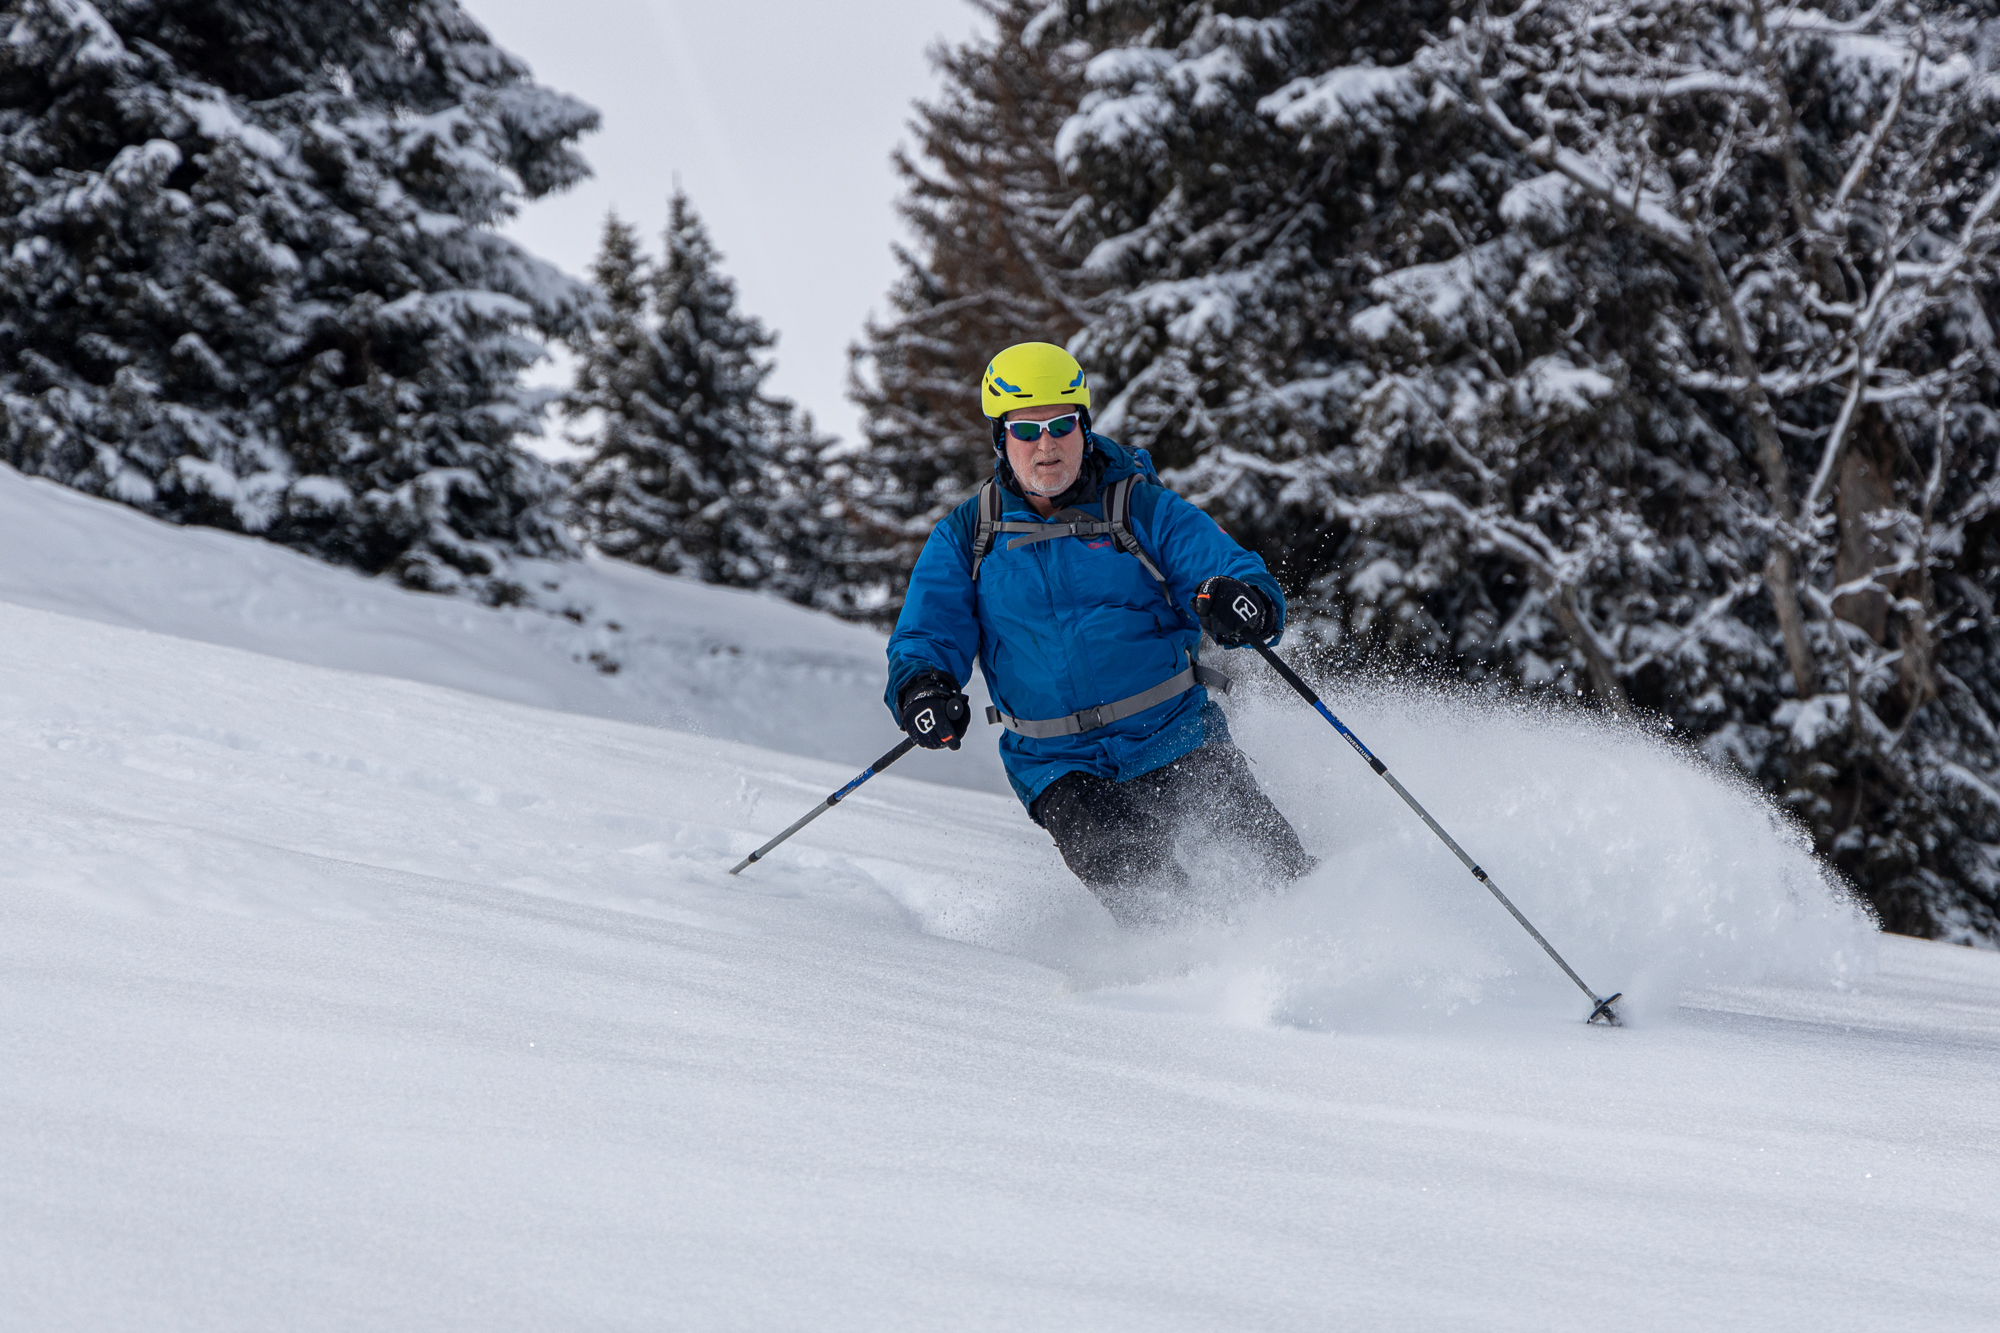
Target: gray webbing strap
x=1090, y=719
x=1116, y=524
x=1118, y=512
x=1078, y=524
x=988, y=522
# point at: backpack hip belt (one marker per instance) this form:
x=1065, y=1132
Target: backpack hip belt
x=1091, y=719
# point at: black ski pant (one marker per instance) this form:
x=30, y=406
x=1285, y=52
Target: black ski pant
x=1120, y=837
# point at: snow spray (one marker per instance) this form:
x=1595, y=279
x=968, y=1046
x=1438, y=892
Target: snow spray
x=1665, y=870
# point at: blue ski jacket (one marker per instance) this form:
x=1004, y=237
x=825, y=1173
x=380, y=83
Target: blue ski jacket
x=1063, y=625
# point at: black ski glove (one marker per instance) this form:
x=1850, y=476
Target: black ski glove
x=1232, y=611
x=934, y=711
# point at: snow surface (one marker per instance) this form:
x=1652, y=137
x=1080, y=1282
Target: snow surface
x=714, y=661
x=338, y=1000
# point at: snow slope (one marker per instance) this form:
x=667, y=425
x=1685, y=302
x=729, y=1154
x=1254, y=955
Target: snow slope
x=715, y=661
x=339, y=1001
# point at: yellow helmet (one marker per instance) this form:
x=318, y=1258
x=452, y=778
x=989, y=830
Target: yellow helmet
x=1032, y=375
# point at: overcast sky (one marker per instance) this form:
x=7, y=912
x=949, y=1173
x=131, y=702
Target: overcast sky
x=778, y=116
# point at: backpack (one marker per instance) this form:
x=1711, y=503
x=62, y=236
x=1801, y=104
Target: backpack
x=1116, y=523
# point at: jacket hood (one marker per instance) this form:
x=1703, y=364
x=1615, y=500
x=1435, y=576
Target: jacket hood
x=1118, y=460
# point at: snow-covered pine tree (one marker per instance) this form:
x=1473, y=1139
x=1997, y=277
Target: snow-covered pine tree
x=984, y=201
x=1618, y=346
x=1824, y=187
x=249, y=275
x=693, y=468
x=1231, y=247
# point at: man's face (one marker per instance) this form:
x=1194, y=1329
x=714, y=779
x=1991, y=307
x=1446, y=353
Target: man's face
x=1049, y=465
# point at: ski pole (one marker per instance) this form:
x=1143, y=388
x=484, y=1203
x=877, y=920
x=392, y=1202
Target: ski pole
x=1603, y=1005
x=830, y=802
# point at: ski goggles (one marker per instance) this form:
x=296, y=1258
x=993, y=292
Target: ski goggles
x=1027, y=432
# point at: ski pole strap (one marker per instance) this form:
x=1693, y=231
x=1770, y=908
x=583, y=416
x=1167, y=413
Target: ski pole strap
x=1091, y=719
x=809, y=816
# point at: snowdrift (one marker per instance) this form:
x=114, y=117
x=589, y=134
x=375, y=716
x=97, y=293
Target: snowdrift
x=634, y=645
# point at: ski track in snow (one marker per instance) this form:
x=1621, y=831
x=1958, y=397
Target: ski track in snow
x=336, y=1000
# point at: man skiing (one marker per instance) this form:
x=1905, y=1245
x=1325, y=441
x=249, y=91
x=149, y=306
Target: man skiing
x=1081, y=586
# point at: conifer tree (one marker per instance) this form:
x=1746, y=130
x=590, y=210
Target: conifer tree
x=985, y=202
x=693, y=468
x=1612, y=348
x=251, y=276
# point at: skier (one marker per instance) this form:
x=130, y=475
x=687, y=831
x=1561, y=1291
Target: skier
x=1070, y=578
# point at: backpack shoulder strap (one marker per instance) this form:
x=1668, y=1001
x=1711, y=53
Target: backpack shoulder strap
x=1118, y=513
x=986, y=524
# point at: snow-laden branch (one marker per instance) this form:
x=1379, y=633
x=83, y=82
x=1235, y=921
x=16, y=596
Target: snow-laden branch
x=1865, y=159
x=1938, y=274
x=1777, y=383
x=1558, y=573
x=1524, y=542
x=1697, y=83
x=1637, y=206
x=1795, y=19
x=1710, y=612
x=1864, y=365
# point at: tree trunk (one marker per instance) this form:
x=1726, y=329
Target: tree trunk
x=1604, y=682
x=1778, y=571
x=1864, y=487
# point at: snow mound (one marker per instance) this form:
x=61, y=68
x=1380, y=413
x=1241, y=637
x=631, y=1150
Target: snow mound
x=611, y=640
